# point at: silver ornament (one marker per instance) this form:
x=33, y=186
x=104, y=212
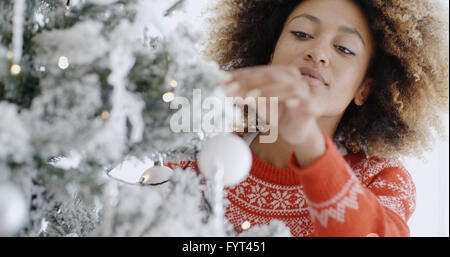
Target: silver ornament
x=156, y=175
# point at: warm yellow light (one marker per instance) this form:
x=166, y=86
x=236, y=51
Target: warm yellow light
x=168, y=97
x=15, y=69
x=105, y=115
x=63, y=62
x=9, y=55
x=246, y=225
x=173, y=83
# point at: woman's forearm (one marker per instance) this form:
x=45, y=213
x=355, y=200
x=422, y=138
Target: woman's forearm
x=312, y=148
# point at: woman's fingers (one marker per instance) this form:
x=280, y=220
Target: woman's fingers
x=249, y=70
x=291, y=71
x=257, y=73
x=283, y=82
x=256, y=78
x=225, y=77
x=248, y=82
x=282, y=91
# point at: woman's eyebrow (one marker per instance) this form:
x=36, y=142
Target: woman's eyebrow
x=307, y=16
x=352, y=31
x=344, y=29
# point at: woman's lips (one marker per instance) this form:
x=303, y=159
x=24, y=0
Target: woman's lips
x=313, y=74
x=313, y=81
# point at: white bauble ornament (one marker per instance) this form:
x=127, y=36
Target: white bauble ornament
x=228, y=152
x=13, y=209
x=156, y=175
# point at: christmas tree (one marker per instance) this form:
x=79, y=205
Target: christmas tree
x=84, y=86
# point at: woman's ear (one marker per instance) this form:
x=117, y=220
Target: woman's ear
x=363, y=91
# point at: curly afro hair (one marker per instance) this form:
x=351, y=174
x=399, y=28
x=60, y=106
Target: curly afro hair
x=410, y=67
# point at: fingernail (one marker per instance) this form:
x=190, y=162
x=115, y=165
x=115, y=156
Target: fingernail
x=255, y=92
x=225, y=78
x=291, y=103
x=233, y=87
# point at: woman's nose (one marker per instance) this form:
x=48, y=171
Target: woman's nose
x=317, y=55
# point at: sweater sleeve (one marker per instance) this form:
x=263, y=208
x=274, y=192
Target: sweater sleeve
x=379, y=203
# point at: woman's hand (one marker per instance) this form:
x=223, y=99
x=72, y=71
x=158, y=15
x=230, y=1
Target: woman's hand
x=297, y=110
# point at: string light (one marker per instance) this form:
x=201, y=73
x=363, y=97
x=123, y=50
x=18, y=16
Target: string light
x=168, y=97
x=15, y=69
x=246, y=225
x=9, y=55
x=63, y=62
x=105, y=115
x=173, y=83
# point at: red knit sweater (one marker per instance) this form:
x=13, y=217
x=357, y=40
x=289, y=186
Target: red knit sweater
x=336, y=195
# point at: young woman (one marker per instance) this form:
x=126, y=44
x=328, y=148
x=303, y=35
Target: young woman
x=359, y=83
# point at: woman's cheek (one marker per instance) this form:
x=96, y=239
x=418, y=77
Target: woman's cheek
x=286, y=52
x=337, y=97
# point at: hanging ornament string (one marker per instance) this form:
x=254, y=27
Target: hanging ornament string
x=18, y=20
x=225, y=165
x=218, y=198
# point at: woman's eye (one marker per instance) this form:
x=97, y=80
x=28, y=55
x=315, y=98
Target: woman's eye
x=345, y=50
x=301, y=34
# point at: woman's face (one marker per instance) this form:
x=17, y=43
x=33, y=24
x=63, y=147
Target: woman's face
x=333, y=38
